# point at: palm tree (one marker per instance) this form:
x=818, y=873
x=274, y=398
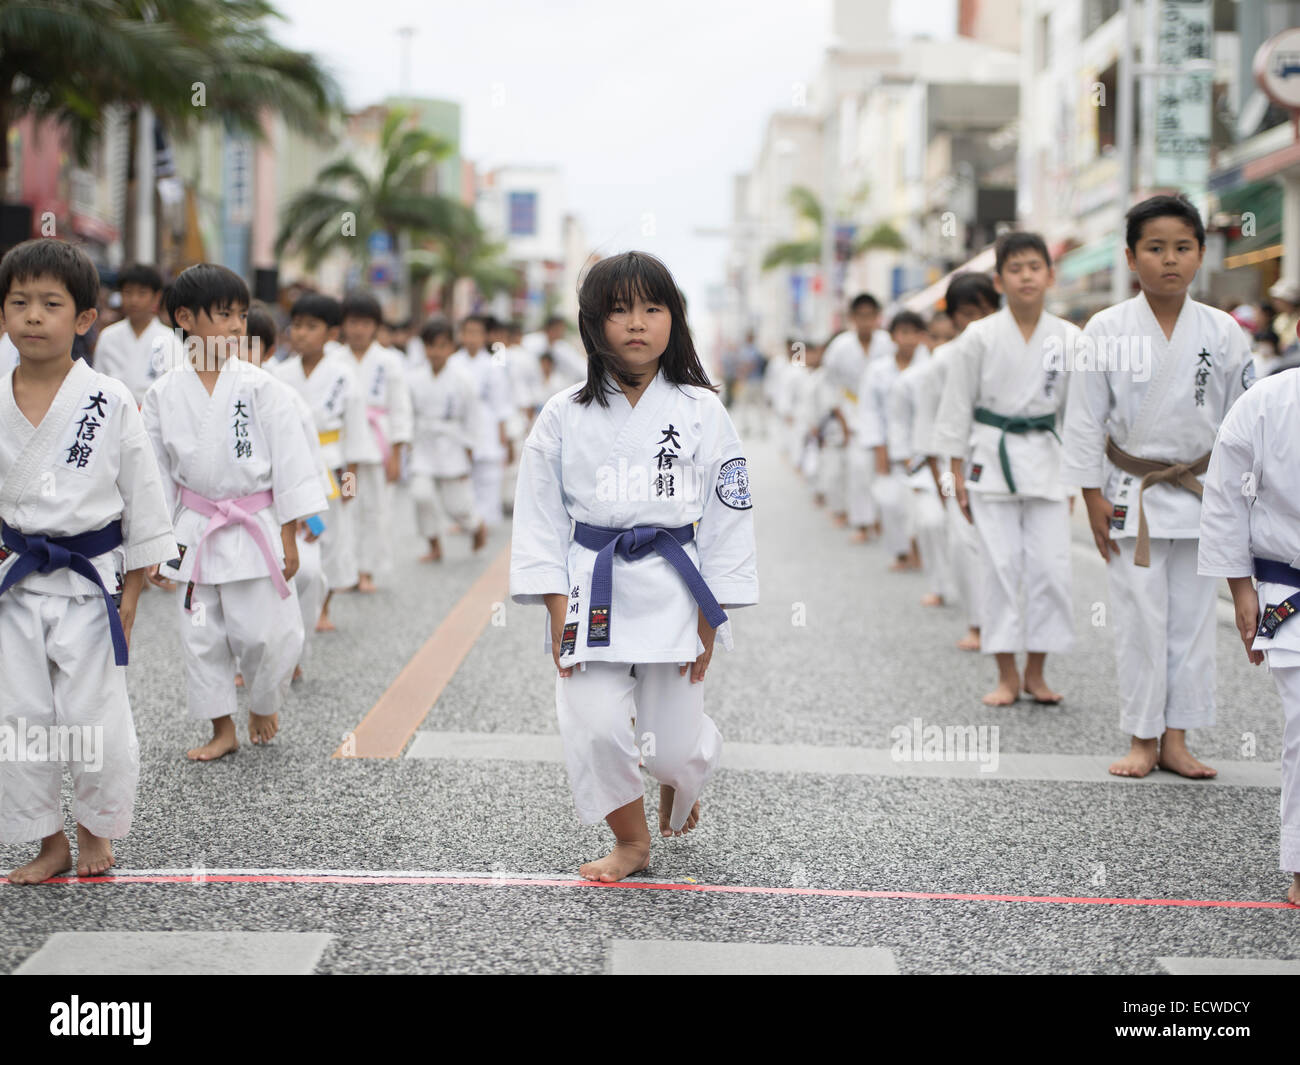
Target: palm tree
x=346, y=204
x=464, y=252
x=808, y=207
x=189, y=60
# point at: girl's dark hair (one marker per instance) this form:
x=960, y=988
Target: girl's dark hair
x=58, y=259
x=203, y=287
x=619, y=281
x=261, y=325
x=1162, y=207
x=971, y=289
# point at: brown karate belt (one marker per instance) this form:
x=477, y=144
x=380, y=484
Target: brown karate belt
x=1182, y=474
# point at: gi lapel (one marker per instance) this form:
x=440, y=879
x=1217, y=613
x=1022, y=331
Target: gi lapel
x=638, y=422
x=39, y=439
x=1164, y=373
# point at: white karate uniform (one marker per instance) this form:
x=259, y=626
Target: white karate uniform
x=9, y=356
x=844, y=361
x=86, y=465
x=309, y=581
x=928, y=519
x=603, y=466
x=381, y=380
x=1025, y=535
x=492, y=385
x=965, y=552
x=891, y=491
x=1164, y=614
x=245, y=438
x=338, y=408
x=1251, y=510
x=447, y=418
x=138, y=361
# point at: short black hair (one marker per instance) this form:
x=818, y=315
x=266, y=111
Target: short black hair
x=434, y=328
x=262, y=326
x=864, y=299
x=1162, y=207
x=903, y=318
x=317, y=305
x=514, y=326
x=482, y=320
x=205, y=286
x=362, y=305
x=494, y=323
x=140, y=274
x=1017, y=241
x=48, y=257
x=971, y=289
x=554, y=319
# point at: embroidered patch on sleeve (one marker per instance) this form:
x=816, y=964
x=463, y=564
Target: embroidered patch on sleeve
x=733, y=485
x=570, y=639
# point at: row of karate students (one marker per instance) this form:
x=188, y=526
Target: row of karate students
x=976, y=449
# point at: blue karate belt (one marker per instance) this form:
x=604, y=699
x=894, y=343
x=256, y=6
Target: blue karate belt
x=45, y=554
x=1266, y=569
x=632, y=544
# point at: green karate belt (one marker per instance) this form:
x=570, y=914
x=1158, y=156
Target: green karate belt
x=1041, y=423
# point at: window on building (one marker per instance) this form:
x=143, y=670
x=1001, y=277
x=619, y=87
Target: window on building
x=1107, y=116
x=521, y=214
x=1096, y=13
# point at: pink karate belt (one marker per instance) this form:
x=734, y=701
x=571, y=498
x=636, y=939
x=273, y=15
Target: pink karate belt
x=374, y=416
x=223, y=512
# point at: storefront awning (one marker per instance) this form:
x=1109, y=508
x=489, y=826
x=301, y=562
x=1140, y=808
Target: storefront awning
x=1089, y=259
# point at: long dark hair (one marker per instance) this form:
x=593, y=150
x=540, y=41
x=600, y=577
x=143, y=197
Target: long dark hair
x=619, y=281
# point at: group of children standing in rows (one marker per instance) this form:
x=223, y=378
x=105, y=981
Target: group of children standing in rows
x=968, y=457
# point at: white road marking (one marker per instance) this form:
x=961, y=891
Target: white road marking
x=178, y=953
x=1231, y=966
x=637, y=957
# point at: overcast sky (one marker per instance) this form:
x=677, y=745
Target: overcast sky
x=646, y=109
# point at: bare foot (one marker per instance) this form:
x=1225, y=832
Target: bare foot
x=1037, y=689
x=969, y=642
x=666, y=795
x=239, y=680
x=434, y=554
x=859, y=537
x=366, y=584
x=323, y=624
x=94, y=853
x=297, y=675
x=819, y=500
x=1179, y=760
x=55, y=857
x=480, y=537
x=223, y=742
x=932, y=600
x=1003, y=695
x=1293, y=893
x=903, y=564
x=262, y=727
x=841, y=519
x=624, y=860
x=1139, y=761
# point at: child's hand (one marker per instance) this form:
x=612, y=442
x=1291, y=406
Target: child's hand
x=556, y=606
x=159, y=581
x=959, y=493
x=1100, y=513
x=304, y=530
x=289, y=541
x=707, y=633
x=1245, y=602
x=393, y=466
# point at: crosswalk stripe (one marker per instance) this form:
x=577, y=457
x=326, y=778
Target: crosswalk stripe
x=1231, y=966
x=638, y=957
x=181, y=953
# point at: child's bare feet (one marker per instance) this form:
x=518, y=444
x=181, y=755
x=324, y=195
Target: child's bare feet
x=859, y=537
x=666, y=796
x=297, y=675
x=94, y=853
x=819, y=500
x=624, y=860
x=1175, y=757
x=904, y=564
x=1293, y=893
x=932, y=600
x=222, y=743
x=239, y=680
x=969, y=642
x=366, y=584
x=1139, y=761
x=55, y=857
x=841, y=519
x=323, y=624
x=434, y=554
x=480, y=536
x=1008, y=689
x=262, y=727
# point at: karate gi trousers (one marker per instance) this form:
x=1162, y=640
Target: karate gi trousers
x=863, y=507
x=57, y=669
x=1164, y=638
x=931, y=524
x=830, y=477
x=677, y=741
x=310, y=586
x=372, y=520
x=965, y=560
x=1025, y=544
x=441, y=500
x=244, y=620
x=486, y=475
x=1287, y=679
x=338, y=553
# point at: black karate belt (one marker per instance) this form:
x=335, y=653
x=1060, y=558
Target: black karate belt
x=1041, y=423
x=632, y=544
x=45, y=554
x=1266, y=569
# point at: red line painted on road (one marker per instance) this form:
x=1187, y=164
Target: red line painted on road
x=362, y=879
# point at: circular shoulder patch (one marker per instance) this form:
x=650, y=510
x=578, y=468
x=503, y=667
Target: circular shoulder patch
x=1248, y=373
x=733, y=484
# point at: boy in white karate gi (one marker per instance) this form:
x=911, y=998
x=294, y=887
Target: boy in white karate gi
x=970, y=297
x=82, y=516
x=1001, y=407
x=493, y=451
x=138, y=348
x=446, y=425
x=890, y=488
x=637, y=455
x=327, y=380
x=1152, y=379
x=239, y=474
x=1250, y=525
x=381, y=378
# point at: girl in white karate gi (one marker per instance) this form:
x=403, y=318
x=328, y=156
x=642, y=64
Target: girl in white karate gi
x=644, y=459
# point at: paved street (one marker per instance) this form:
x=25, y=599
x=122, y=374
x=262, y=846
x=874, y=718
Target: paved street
x=813, y=838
